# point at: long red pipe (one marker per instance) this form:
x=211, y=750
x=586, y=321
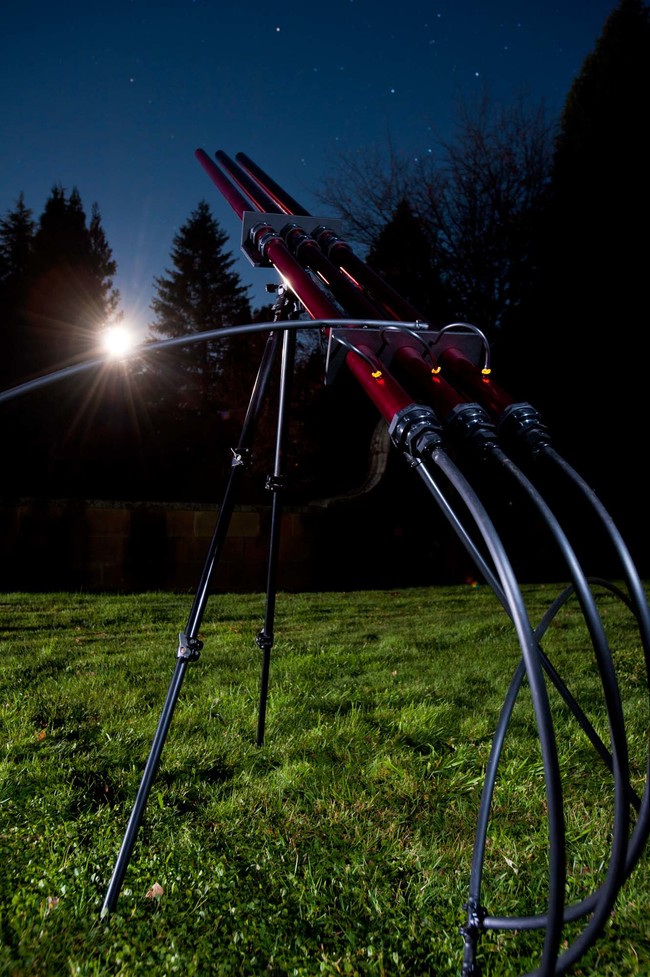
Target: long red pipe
x=286, y=202
x=385, y=392
x=338, y=251
x=430, y=386
x=265, y=192
x=273, y=247
x=388, y=396
x=482, y=386
x=352, y=298
x=256, y=193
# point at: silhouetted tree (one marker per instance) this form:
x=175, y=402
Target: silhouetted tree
x=600, y=181
x=580, y=345
x=56, y=295
x=403, y=253
x=199, y=293
x=601, y=168
x=365, y=188
x=486, y=209
x=71, y=296
x=103, y=268
x=589, y=313
x=16, y=242
x=477, y=199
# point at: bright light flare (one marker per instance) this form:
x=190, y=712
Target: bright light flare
x=117, y=341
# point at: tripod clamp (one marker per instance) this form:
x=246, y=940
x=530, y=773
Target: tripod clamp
x=189, y=649
x=240, y=456
x=264, y=640
x=275, y=483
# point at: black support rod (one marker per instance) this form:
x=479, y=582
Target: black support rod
x=332, y=283
x=189, y=644
x=275, y=484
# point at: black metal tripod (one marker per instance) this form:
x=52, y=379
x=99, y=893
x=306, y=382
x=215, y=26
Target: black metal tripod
x=189, y=645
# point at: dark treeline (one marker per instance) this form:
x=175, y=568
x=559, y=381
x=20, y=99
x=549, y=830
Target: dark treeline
x=535, y=230
x=159, y=427
x=532, y=228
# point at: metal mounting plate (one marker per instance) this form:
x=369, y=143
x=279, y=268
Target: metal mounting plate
x=384, y=340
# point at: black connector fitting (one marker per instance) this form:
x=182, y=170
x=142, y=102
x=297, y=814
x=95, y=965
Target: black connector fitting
x=416, y=431
x=261, y=236
x=524, y=423
x=472, y=424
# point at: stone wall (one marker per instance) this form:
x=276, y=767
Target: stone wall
x=102, y=546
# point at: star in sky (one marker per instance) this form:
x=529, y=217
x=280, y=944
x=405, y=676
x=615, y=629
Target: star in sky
x=114, y=100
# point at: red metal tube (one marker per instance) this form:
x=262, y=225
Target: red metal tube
x=482, y=387
x=339, y=252
x=310, y=294
x=342, y=255
x=309, y=255
x=238, y=203
x=272, y=246
x=260, y=198
x=385, y=392
x=353, y=299
x=382, y=389
x=273, y=189
x=431, y=387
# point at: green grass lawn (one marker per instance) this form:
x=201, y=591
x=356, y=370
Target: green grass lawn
x=341, y=846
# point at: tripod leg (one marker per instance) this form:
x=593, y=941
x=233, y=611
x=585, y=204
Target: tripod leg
x=275, y=483
x=184, y=656
x=189, y=644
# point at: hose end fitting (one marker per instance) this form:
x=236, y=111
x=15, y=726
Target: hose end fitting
x=524, y=423
x=416, y=431
x=471, y=424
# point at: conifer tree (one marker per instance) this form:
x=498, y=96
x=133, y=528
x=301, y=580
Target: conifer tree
x=402, y=253
x=71, y=289
x=600, y=179
x=56, y=295
x=16, y=239
x=16, y=242
x=596, y=268
x=102, y=268
x=201, y=292
x=581, y=346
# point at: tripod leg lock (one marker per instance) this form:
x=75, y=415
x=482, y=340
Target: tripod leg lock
x=188, y=648
x=264, y=640
x=240, y=456
x=275, y=483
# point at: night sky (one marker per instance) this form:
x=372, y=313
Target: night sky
x=115, y=98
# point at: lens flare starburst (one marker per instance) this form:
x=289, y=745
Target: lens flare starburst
x=118, y=341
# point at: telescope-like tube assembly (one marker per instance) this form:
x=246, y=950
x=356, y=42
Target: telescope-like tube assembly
x=439, y=400
x=446, y=415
